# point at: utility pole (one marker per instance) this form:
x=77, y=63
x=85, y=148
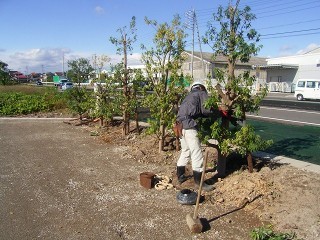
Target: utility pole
x=190, y=16
x=192, y=20
x=63, y=64
x=202, y=62
x=94, y=58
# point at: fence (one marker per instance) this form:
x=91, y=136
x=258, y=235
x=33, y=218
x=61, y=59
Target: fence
x=280, y=87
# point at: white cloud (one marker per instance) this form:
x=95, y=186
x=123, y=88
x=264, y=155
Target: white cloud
x=286, y=50
x=99, y=10
x=51, y=59
x=36, y=60
x=133, y=59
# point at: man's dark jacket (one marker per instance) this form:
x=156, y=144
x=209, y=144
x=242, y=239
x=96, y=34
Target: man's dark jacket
x=192, y=108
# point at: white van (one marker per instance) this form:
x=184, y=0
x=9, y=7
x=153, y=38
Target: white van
x=307, y=89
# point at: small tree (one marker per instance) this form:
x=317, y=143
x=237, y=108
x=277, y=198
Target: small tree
x=163, y=63
x=124, y=45
x=98, y=63
x=108, y=100
x=137, y=87
x=236, y=40
x=80, y=70
x=5, y=78
x=80, y=99
x=4, y=74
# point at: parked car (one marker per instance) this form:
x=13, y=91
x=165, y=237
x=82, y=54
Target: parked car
x=39, y=83
x=307, y=89
x=66, y=85
x=61, y=82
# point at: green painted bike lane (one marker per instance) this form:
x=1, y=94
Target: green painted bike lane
x=297, y=142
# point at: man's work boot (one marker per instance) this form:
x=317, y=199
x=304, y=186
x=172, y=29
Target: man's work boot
x=197, y=180
x=181, y=170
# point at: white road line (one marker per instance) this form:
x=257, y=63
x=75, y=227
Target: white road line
x=289, y=110
x=284, y=120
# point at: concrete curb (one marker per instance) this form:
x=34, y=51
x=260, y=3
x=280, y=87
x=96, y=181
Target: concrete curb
x=293, y=162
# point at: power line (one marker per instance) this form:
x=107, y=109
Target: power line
x=276, y=14
x=276, y=7
x=290, y=24
x=203, y=13
x=295, y=35
x=304, y=30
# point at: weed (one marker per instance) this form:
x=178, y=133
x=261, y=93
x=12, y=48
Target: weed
x=267, y=233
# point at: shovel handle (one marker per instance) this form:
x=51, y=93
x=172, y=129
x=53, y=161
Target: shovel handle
x=195, y=214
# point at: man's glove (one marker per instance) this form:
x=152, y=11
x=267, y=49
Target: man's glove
x=228, y=115
x=225, y=113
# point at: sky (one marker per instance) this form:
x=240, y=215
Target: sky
x=43, y=35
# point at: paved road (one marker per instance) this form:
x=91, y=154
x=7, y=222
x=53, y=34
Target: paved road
x=288, y=101
x=288, y=116
x=284, y=108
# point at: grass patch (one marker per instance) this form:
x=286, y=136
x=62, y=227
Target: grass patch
x=27, y=99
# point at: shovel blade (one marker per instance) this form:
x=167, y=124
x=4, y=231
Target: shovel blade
x=194, y=225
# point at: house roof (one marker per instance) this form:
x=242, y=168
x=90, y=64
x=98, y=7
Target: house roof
x=315, y=50
x=208, y=57
x=277, y=66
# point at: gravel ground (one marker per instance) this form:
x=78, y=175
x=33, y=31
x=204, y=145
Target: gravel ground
x=59, y=182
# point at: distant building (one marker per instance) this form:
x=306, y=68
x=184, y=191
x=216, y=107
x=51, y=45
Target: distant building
x=18, y=76
x=284, y=72
x=202, y=65
x=60, y=74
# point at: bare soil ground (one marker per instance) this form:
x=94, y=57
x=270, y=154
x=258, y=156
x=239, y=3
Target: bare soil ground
x=70, y=181
x=276, y=194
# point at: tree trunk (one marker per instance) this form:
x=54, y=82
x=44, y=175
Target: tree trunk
x=250, y=163
x=137, y=120
x=101, y=121
x=125, y=129
x=222, y=164
x=161, y=140
x=222, y=158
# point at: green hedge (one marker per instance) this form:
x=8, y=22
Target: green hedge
x=18, y=103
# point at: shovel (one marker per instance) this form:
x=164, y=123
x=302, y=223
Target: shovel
x=194, y=222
